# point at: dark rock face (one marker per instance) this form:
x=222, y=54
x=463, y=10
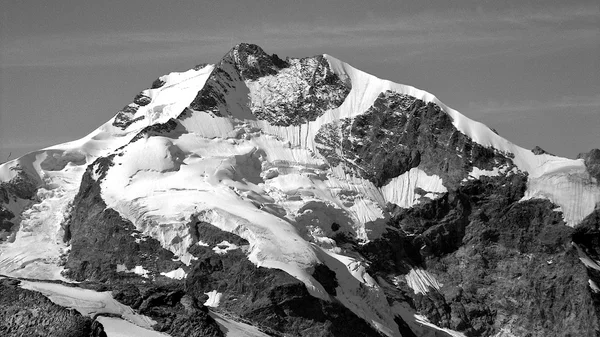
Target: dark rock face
x=315, y=90
x=176, y=313
x=101, y=240
x=20, y=187
x=141, y=99
x=252, y=62
x=308, y=89
x=158, y=83
x=212, y=97
x=28, y=313
x=538, y=150
x=586, y=238
x=158, y=129
x=592, y=162
x=400, y=132
x=124, y=118
x=6, y=226
x=271, y=299
x=503, y=264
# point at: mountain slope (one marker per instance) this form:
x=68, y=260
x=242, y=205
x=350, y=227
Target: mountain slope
x=308, y=198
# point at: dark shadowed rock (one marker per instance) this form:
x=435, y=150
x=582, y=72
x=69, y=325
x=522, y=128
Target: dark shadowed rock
x=29, y=313
x=101, y=240
x=157, y=83
x=141, y=99
x=307, y=90
x=268, y=298
x=592, y=162
x=503, y=264
x=400, y=132
x=538, y=150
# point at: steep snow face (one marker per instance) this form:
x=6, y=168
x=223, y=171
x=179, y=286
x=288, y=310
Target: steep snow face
x=401, y=190
x=541, y=168
x=367, y=88
x=574, y=191
x=167, y=99
x=421, y=281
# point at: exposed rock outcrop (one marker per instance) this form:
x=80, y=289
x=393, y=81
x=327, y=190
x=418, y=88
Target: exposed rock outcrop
x=29, y=313
x=269, y=298
x=499, y=264
x=284, y=93
x=400, y=132
x=538, y=150
x=592, y=162
x=102, y=242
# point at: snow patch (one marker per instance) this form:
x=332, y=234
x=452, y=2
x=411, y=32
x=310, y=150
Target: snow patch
x=232, y=328
x=214, y=298
x=572, y=190
x=401, y=190
x=223, y=247
x=423, y=320
x=594, y=286
x=177, y=274
x=139, y=270
x=476, y=172
x=586, y=259
x=115, y=327
x=421, y=281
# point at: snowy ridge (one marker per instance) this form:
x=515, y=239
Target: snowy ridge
x=366, y=88
x=35, y=249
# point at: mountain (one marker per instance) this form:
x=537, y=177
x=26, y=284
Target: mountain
x=303, y=197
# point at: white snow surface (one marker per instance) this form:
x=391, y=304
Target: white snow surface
x=214, y=298
x=224, y=246
x=574, y=191
x=177, y=274
x=232, y=328
x=424, y=321
x=594, y=286
x=265, y=183
x=401, y=190
x=36, y=248
x=168, y=101
x=115, y=327
x=421, y=281
x=139, y=270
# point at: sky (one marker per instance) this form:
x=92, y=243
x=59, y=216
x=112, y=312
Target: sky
x=528, y=69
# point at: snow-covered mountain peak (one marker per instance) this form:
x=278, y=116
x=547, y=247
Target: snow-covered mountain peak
x=299, y=166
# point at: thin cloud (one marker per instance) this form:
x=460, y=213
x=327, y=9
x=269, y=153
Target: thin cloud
x=576, y=104
x=524, y=33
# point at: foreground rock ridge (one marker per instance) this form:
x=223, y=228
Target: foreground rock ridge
x=262, y=196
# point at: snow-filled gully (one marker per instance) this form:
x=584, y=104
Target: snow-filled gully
x=118, y=319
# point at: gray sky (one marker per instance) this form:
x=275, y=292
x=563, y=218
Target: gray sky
x=529, y=69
